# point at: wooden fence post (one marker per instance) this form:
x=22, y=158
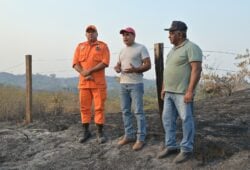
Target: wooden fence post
x=159, y=67
x=28, y=115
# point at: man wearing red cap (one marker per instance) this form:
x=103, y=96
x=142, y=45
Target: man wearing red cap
x=133, y=60
x=90, y=60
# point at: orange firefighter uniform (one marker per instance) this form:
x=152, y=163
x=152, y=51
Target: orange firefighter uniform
x=87, y=56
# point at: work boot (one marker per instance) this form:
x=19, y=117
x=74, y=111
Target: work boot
x=182, y=157
x=138, y=145
x=165, y=152
x=100, y=135
x=86, y=133
x=124, y=140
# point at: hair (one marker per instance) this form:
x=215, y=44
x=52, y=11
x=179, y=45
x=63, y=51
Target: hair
x=184, y=34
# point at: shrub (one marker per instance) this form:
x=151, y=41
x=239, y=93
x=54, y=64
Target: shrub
x=213, y=84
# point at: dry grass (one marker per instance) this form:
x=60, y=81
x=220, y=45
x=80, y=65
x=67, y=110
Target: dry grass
x=12, y=103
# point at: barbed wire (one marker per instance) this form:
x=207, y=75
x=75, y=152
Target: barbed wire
x=58, y=71
x=221, y=52
x=58, y=59
x=113, y=53
x=226, y=70
x=11, y=67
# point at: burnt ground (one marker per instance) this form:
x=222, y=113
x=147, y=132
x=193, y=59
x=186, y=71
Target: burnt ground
x=222, y=141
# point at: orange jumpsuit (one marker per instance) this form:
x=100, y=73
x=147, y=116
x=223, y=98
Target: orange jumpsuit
x=88, y=56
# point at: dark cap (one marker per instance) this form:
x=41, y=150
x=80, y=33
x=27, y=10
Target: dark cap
x=177, y=26
x=128, y=30
x=91, y=28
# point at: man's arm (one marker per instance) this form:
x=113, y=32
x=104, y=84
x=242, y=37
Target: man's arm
x=96, y=68
x=86, y=73
x=81, y=71
x=102, y=64
x=78, y=68
x=146, y=65
x=196, y=69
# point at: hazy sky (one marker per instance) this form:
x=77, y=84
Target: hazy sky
x=49, y=30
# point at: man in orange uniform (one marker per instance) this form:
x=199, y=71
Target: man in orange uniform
x=90, y=60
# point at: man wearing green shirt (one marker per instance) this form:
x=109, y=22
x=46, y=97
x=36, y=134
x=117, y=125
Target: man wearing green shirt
x=181, y=75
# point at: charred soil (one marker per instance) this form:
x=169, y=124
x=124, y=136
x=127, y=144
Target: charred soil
x=222, y=141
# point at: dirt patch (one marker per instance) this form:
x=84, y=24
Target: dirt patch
x=221, y=142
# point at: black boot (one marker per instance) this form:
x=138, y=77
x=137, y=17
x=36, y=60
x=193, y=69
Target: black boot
x=100, y=136
x=86, y=133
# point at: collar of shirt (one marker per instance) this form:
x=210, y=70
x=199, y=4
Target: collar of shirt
x=180, y=45
x=94, y=43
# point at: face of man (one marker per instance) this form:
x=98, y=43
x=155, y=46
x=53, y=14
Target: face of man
x=128, y=38
x=91, y=35
x=175, y=37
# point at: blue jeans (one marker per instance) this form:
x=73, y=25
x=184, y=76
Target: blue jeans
x=129, y=93
x=174, y=106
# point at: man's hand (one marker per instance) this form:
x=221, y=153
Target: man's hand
x=132, y=69
x=146, y=65
x=117, y=68
x=89, y=78
x=188, y=97
x=85, y=73
x=162, y=94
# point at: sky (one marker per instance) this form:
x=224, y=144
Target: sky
x=50, y=30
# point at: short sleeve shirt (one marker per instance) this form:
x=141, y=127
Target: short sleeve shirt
x=89, y=56
x=177, y=67
x=134, y=54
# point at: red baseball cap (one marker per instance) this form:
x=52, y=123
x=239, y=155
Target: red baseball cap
x=91, y=27
x=128, y=30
